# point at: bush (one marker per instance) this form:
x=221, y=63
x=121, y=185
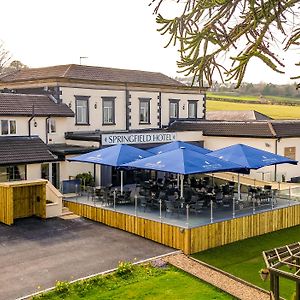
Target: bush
x=62, y=287
x=86, y=179
x=124, y=268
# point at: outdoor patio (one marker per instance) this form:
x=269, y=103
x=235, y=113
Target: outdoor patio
x=186, y=215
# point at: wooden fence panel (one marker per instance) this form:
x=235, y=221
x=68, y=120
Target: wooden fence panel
x=222, y=233
x=198, y=238
x=168, y=235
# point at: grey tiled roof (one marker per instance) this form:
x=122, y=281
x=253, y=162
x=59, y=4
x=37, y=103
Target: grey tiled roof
x=25, y=104
x=91, y=73
x=236, y=115
x=261, y=129
x=23, y=150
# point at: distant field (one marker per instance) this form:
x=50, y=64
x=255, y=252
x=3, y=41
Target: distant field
x=236, y=97
x=274, y=111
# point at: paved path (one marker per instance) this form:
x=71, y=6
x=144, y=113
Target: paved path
x=34, y=253
x=220, y=280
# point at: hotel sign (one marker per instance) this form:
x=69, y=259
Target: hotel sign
x=138, y=138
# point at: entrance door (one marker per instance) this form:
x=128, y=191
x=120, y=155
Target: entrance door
x=55, y=175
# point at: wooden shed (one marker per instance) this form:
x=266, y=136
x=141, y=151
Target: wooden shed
x=20, y=199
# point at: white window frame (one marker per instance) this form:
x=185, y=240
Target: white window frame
x=144, y=111
x=193, y=103
x=9, y=126
x=82, y=110
x=175, y=103
x=108, y=112
x=51, y=123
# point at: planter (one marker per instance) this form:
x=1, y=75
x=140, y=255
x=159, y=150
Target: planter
x=264, y=274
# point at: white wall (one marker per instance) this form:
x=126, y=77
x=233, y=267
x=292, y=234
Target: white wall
x=68, y=169
x=33, y=171
x=135, y=106
x=183, y=105
x=189, y=136
x=95, y=114
x=286, y=169
x=68, y=97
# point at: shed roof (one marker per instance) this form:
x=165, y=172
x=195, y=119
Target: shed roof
x=260, y=129
x=24, y=150
x=27, y=105
x=236, y=115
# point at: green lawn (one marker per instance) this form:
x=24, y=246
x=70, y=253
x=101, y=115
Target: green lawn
x=143, y=283
x=244, y=258
x=274, y=111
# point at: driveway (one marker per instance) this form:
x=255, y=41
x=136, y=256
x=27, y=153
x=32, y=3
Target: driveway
x=34, y=253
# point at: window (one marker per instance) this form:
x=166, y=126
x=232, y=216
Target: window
x=108, y=110
x=45, y=171
x=290, y=152
x=144, y=111
x=51, y=126
x=11, y=173
x=8, y=127
x=192, y=109
x=82, y=110
x=174, y=109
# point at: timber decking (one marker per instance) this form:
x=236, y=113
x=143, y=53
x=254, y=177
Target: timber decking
x=192, y=240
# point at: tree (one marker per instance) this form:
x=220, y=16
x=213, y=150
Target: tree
x=244, y=29
x=5, y=57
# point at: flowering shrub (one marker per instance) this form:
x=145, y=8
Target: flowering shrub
x=124, y=268
x=62, y=287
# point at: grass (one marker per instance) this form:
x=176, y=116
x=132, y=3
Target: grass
x=244, y=258
x=249, y=98
x=274, y=111
x=143, y=282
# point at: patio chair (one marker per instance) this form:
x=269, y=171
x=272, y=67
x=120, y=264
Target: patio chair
x=170, y=207
x=143, y=202
x=196, y=207
x=91, y=193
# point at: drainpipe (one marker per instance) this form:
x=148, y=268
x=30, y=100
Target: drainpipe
x=127, y=106
x=47, y=127
x=29, y=125
x=159, y=110
x=29, y=121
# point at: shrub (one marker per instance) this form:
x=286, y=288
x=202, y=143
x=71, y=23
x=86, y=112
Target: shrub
x=62, y=287
x=82, y=287
x=86, y=179
x=124, y=268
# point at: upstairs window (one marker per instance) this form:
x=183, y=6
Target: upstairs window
x=144, y=111
x=51, y=126
x=108, y=110
x=8, y=127
x=82, y=110
x=192, y=109
x=290, y=152
x=174, y=109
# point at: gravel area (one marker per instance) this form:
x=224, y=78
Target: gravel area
x=220, y=280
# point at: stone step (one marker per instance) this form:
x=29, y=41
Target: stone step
x=66, y=211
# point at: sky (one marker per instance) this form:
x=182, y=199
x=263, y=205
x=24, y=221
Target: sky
x=110, y=33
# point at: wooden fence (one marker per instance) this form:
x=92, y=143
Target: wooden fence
x=196, y=239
